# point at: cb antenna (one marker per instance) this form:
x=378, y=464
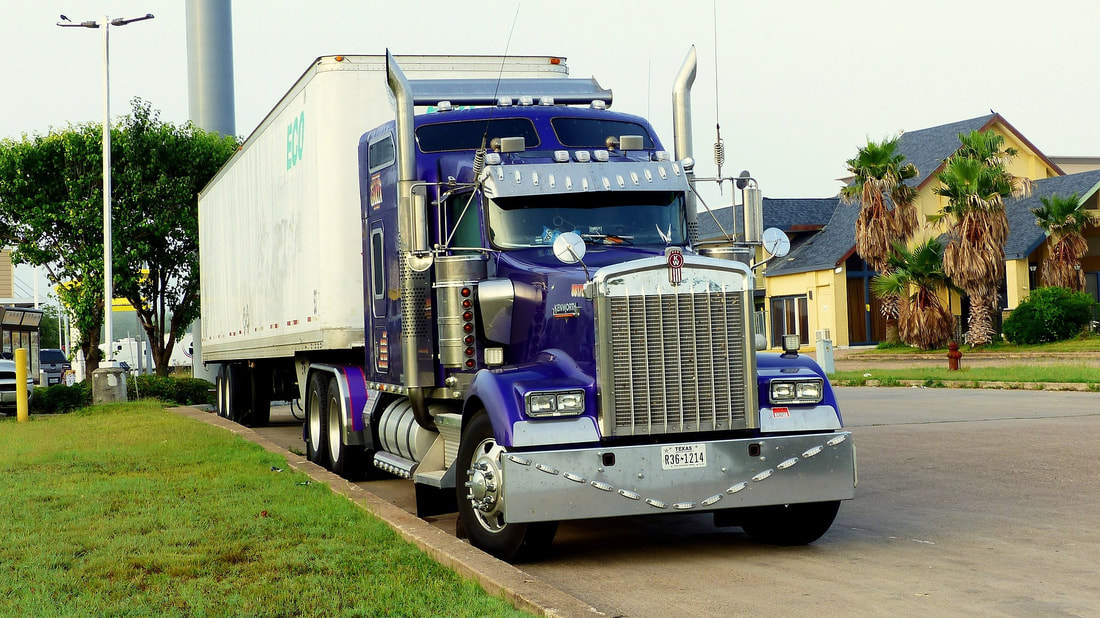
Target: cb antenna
x=479, y=156
x=719, y=145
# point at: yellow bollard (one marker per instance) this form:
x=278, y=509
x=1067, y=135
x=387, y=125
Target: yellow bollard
x=22, y=410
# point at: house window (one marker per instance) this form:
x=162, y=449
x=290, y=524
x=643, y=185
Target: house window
x=790, y=315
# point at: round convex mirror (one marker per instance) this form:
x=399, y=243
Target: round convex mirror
x=569, y=247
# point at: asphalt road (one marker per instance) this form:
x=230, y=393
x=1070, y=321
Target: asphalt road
x=969, y=502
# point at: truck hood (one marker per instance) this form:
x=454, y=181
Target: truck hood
x=550, y=311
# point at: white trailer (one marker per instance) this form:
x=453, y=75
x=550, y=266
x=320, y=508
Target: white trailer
x=279, y=226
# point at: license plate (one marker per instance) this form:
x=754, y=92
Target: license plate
x=679, y=456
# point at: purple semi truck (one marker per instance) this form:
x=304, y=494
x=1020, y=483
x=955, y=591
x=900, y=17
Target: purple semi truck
x=519, y=318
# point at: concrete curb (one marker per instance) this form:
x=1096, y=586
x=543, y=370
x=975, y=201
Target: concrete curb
x=523, y=590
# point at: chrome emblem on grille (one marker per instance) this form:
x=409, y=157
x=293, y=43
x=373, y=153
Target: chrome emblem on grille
x=675, y=260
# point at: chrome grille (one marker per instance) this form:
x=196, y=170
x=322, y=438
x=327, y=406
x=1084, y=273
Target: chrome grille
x=678, y=355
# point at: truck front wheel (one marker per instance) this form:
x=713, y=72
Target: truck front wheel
x=317, y=419
x=789, y=524
x=480, y=499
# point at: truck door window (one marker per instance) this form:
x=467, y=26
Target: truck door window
x=377, y=269
x=463, y=227
x=381, y=154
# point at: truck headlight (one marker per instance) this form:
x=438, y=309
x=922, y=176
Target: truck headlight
x=796, y=391
x=563, y=403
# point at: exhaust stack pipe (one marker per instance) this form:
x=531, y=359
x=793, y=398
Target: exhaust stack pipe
x=681, y=132
x=413, y=251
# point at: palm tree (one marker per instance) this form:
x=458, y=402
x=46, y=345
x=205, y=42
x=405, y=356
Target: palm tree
x=880, y=172
x=917, y=277
x=1064, y=220
x=976, y=183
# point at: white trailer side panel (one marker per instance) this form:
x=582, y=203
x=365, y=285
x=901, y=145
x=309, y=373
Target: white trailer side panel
x=279, y=226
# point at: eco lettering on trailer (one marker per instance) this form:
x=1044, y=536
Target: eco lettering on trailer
x=295, y=140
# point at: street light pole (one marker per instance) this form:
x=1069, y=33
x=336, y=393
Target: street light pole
x=108, y=270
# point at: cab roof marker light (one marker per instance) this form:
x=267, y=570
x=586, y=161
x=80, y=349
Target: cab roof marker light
x=504, y=101
x=661, y=155
x=546, y=101
x=601, y=155
x=606, y=184
x=443, y=106
x=634, y=178
x=582, y=156
x=492, y=158
x=598, y=104
x=561, y=156
x=619, y=179
x=526, y=100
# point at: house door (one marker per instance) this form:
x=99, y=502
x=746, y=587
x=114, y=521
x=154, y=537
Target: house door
x=865, y=322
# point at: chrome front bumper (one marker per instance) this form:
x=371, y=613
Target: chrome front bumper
x=630, y=480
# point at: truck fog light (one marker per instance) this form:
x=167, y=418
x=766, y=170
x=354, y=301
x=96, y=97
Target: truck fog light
x=494, y=356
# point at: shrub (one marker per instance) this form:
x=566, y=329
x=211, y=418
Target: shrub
x=1049, y=314
x=60, y=398
x=182, y=391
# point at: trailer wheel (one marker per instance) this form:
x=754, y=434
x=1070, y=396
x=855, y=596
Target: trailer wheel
x=789, y=524
x=223, y=398
x=345, y=460
x=316, y=419
x=238, y=393
x=480, y=499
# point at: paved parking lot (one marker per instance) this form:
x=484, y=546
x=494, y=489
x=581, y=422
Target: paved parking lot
x=969, y=502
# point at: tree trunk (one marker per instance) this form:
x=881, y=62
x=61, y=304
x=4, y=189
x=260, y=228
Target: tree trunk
x=980, y=328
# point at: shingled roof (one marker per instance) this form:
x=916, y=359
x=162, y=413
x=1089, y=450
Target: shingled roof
x=1025, y=235
x=790, y=215
x=825, y=249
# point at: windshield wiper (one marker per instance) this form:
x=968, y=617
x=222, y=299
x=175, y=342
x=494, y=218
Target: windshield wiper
x=608, y=239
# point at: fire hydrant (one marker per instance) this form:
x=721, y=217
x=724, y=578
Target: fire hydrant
x=953, y=356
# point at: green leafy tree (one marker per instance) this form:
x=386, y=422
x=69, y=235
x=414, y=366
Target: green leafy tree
x=160, y=173
x=976, y=182
x=916, y=277
x=1064, y=220
x=880, y=172
x=51, y=210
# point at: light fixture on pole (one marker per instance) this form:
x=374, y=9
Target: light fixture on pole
x=108, y=274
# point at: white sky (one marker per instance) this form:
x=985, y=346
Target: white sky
x=801, y=83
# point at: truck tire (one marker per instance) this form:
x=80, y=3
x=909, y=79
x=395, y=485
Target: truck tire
x=345, y=460
x=789, y=524
x=478, y=490
x=317, y=419
x=238, y=393
x=221, y=390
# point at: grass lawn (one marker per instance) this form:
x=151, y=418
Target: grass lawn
x=1084, y=343
x=129, y=509
x=935, y=376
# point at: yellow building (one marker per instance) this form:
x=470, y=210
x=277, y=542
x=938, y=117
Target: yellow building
x=822, y=288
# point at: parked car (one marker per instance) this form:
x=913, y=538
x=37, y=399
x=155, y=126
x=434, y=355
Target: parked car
x=9, y=387
x=53, y=363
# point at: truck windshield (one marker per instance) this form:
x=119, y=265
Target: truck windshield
x=609, y=217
